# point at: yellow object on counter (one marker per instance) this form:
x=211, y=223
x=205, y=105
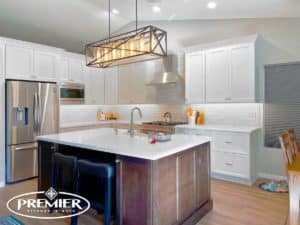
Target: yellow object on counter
x=190, y=111
x=201, y=118
x=112, y=115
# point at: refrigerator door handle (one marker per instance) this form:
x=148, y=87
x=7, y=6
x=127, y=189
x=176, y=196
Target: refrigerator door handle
x=35, y=113
x=26, y=147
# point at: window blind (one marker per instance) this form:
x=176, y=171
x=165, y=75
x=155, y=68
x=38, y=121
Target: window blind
x=282, y=101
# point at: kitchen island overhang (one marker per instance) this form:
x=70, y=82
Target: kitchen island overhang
x=161, y=184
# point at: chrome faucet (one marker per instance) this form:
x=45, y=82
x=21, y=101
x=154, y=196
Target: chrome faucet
x=131, y=128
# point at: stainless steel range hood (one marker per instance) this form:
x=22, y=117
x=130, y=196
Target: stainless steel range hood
x=169, y=73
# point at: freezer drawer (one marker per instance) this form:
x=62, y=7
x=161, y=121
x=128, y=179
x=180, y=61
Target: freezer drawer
x=21, y=162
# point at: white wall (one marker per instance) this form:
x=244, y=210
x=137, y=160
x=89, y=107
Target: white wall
x=216, y=114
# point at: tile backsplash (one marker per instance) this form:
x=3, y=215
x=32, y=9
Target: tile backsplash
x=216, y=114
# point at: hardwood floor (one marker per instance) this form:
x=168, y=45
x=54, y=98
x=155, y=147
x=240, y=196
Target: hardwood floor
x=234, y=204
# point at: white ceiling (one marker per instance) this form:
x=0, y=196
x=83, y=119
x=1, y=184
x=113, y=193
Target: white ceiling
x=70, y=24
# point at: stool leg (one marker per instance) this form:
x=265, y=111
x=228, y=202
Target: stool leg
x=107, y=208
x=74, y=220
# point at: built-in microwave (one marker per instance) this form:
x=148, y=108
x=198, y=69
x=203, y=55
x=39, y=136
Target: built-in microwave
x=72, y=93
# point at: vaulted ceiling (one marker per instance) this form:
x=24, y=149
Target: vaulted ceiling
x=70, y=24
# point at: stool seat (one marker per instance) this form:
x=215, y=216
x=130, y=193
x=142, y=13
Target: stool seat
x=96, y=169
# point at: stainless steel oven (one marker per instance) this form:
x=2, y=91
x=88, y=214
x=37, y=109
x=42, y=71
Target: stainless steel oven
x=72, y=93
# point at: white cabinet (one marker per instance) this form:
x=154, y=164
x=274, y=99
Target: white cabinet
x=132, y=84
x=76, y=70
x=217, y=75
x=227, y=70
x=45, y=65
x=72, y=68
x=28, y=63
x=63, y=69
x=2, y=61
x=19, y=62
x=233, y=154
x=94, y=87
x=194, y=73
x=242, y=73
x=111, y=86
x=230, y=74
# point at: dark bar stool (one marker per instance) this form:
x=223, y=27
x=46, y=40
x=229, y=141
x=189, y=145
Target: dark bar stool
x=95, y=182
x=64, y=172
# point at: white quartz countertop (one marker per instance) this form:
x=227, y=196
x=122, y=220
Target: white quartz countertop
x=105, y=140
x=243, y=129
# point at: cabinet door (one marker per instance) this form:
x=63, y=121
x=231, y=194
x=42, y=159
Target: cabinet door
x=138, y=84
x=194, y=77
x=217, y=75
x=134, y=191
x=125, y=84
x=202, y=175
x=19, y=62
x=76, y=70
x=94, y=87
x=45, y=65
x=111, y=86
x=186, y=184
x=242, y=76
x=2, y=60
x=63, y=69
x=165, y=191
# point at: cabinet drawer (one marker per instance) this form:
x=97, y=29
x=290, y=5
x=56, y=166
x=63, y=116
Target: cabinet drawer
x=230, y=164
x=237, y=142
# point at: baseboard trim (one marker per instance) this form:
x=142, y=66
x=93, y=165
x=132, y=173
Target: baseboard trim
x=271, y=176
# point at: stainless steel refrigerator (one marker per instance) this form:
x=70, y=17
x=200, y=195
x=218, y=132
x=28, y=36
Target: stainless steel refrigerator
x=32, y=109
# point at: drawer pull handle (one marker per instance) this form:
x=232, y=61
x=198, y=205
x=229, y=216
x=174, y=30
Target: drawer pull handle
x=228, y=164
x=228, y=142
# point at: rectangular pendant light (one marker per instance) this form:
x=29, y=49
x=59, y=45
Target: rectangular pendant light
x=141, y=44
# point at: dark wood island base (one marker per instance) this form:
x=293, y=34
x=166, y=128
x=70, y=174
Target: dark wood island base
x=174, y=190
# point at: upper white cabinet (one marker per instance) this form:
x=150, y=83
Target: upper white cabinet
x=19, y=62
x=94, y=87
x=72, y=68
x=195, y=71
x=217, y=75
x=76, y=70
x=227, y=70
x=45, y=65
x=111, y=86
x=31, y=62
x=131, y=88
x=2, y=56
x=242, y=73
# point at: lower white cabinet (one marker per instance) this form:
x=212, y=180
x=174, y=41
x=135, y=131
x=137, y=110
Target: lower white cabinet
x=233, y=154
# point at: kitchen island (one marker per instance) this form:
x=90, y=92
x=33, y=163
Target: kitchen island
x=156, y=184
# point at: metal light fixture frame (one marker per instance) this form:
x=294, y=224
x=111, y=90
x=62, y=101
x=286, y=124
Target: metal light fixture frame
x=114, y=51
